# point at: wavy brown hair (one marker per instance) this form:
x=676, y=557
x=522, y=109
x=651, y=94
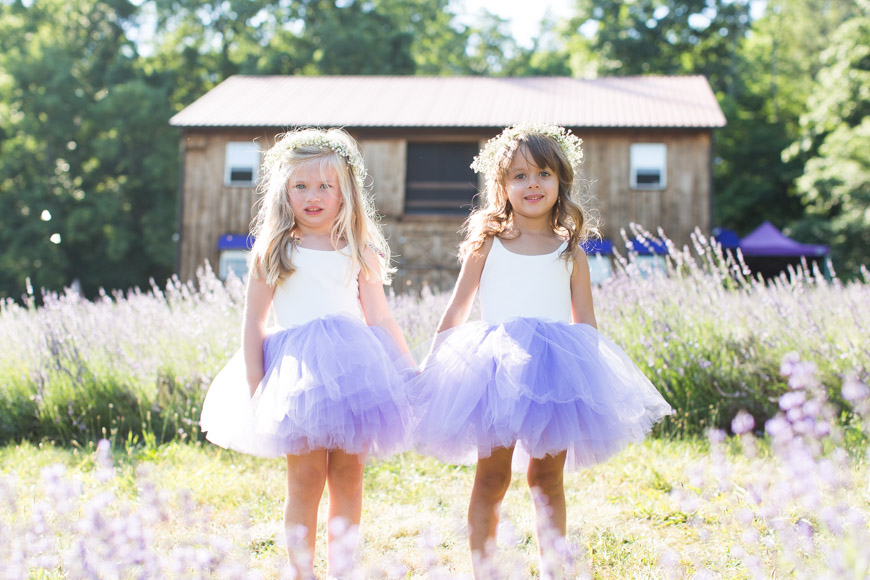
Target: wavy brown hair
x=570, y=217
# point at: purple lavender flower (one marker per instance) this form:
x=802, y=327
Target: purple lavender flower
x=854, y=390
x=791, y=400
x=742, y=423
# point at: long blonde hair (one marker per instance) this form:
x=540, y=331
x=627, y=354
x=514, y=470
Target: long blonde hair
x=569, y=217
x=274, y=227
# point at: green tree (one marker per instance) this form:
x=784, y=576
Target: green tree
x=437, y=46
x=193, y=45
x=87, y=162
x=637, y=37
x=835, y=186
x=752, y=183
x=352, y=38
x=776, y=67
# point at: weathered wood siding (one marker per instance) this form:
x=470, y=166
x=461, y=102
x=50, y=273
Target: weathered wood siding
x=385, y=162
x=678, y=208
x=210, y=208
x=425, y=245
x=425, y=251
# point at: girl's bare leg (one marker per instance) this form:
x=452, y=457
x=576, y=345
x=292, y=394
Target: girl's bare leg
x=545, y=477
x=306, y=477
x=344, y=479
x=491, y=481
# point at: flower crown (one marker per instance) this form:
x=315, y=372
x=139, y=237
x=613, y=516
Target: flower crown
x=487, y=160
x=315, y=138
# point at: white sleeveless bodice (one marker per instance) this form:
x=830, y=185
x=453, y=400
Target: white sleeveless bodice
x=322, y=284
x=513, y=285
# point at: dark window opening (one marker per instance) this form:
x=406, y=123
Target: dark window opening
x=241, y=175
x=439, y=178
x=648, y=177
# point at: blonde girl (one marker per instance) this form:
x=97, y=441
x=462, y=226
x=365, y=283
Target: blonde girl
x=325, y=388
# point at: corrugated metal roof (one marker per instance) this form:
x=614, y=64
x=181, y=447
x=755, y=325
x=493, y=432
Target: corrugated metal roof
x=409, y=101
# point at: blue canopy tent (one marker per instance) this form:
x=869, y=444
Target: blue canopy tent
x=648, y=247
x=767, y=240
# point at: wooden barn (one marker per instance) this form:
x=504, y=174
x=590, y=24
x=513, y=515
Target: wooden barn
x=648, y=152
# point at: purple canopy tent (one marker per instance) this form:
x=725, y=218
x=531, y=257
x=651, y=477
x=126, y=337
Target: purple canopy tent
x=766, y=240
x=767, y=251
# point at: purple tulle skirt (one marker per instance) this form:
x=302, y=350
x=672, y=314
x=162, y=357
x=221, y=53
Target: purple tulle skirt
x=545, y=387
x=332, y=383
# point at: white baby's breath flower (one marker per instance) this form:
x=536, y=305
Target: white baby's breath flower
x=315, y=138
x=487, y=160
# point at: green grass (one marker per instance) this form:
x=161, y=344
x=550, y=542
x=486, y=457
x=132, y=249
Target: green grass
x=626, y=515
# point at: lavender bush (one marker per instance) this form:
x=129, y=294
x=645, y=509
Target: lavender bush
x=801, y=513
x=86, y=531
x=710, y=336
x=135, y=363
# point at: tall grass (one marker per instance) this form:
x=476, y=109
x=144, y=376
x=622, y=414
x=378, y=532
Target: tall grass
x=710, y=336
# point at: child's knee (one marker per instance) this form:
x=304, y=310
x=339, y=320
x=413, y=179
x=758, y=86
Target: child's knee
x=493, y=483
x=306, y=480
x=547, y=481
x=346, y=477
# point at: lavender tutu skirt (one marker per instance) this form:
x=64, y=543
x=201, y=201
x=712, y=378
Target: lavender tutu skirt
x=332, y=383
x=545, y=387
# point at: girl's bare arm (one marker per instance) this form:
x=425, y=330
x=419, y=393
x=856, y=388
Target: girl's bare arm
x=462, y=299
x=257, y=303
x=374, y=302
x=582, y=310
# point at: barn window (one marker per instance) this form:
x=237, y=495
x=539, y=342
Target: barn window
x=439, y=178
x=649, y=166
x=241, y=164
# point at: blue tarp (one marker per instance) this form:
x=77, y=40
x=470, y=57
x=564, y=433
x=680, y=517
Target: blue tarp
x=602, y=246
x=728, y=239
x=648, y=247
x=235, y=242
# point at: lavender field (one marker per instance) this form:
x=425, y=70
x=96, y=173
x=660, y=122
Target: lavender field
x=710, y=337
x=762, y=473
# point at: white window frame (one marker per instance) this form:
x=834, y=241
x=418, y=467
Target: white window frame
x=649, y=157
x=241, y=155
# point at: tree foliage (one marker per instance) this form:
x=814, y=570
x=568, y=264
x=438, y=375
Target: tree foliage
x=88, y=163
x=776, y=66
x=637, y=37
x=835, y=185
x=86, y=192
x=776, y=89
